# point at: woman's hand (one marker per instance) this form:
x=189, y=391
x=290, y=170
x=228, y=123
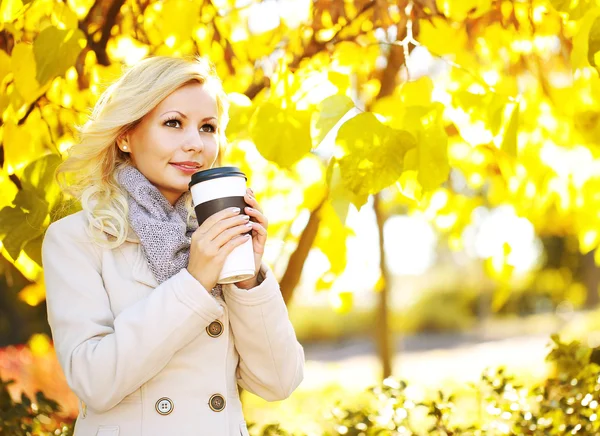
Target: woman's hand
x=260, y=224
x=213, y=241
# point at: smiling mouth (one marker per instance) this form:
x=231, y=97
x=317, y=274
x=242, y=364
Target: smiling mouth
x=186, y=166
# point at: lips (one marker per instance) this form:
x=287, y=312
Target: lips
x=187, y=168
x=187, y=165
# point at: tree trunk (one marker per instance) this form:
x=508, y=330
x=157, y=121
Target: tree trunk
x=383, y=328
x=590, y=276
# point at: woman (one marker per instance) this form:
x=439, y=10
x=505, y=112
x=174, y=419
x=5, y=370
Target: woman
x=147, y=341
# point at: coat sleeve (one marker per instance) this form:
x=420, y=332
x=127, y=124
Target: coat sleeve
x=271, y=358
x=105, y=358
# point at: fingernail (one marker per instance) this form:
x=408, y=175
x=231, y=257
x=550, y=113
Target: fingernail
x=235, y=210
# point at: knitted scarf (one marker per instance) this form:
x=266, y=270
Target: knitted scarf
x=164, y=231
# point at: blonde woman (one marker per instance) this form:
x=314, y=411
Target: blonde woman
x=147, y=341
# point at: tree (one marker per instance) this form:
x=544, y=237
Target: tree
x=509, y=118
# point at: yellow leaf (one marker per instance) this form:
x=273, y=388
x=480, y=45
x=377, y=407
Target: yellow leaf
x=430, y=157
x=417, y=92
x=441, y=36
x=55, y=51
x=509, y=140
x=410, y=188
x=10, y=10
x=39, y=344
x=33, y=294
x=458, y=10
x=328, y=113
x=4, y=66
x=80, y=7
x=178, y=19
x=340, y=197
x=342, y=302
x=24, y=70
x=371, y=154
x=240, y=111
x=63, y=16
x=392, y=109
x=331, y=239
x=580, y=52
x=24, y=144
x=282, y=135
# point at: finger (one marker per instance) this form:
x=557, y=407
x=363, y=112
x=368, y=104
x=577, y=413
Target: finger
x=258, y=216
x=231, y=233
x=232, y=244
x=259, y=229
x=218, y=216
x=251, y=201
x=226, y=224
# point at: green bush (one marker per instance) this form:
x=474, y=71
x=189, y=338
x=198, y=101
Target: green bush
x=566, y=402
x=27, y=417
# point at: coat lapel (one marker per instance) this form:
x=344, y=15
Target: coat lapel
x=135, y=257
x=140, y=270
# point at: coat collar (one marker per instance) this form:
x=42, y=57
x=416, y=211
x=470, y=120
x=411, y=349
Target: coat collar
x=131, y=235
x=140, y=271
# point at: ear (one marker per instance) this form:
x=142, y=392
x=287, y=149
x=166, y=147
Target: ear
x=123, y=143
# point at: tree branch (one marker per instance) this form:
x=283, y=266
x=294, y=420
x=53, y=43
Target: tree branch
x=293, y=272
x=109, y=21
x=312, y=48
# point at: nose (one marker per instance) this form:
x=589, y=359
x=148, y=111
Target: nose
x=194, y=142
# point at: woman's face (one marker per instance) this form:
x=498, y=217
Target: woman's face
x=175, y=140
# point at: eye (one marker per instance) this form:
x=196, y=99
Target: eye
x=173, y=122
x=208, y=128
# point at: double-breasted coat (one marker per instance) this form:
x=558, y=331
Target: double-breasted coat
x=147, y=359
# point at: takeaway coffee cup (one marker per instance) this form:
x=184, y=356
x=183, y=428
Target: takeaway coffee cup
x=212, y=191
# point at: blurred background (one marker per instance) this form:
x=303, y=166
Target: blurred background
x=431, y=173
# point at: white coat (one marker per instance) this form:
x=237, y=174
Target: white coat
x=147, y=359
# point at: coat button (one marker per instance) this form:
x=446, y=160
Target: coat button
x=215, y=329
x=217, y=403
x=164, y=406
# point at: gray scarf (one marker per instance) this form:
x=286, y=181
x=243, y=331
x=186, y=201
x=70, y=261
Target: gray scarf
x=164, y=231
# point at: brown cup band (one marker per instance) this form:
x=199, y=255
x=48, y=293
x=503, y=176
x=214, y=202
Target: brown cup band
x=209, y=208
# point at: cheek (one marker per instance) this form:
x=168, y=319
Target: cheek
x=211, y=145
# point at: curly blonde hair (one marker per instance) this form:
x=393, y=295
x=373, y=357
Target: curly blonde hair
x=88, y=173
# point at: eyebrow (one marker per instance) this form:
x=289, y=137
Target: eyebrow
x=185, y=116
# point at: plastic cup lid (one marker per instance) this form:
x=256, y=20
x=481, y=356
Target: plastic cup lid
x=215, y=173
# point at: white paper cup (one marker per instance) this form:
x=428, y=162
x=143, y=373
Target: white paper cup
x=212, y=191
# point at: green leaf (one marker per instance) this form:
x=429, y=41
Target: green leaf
x=22, y=223
x=33, y=249
x=328, y=113
x=509, y=141
x=281, y=135
x=39, y=176
x=55, y=51
x=373, y=154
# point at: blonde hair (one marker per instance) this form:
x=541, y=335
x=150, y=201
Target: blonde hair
x=88, y=173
